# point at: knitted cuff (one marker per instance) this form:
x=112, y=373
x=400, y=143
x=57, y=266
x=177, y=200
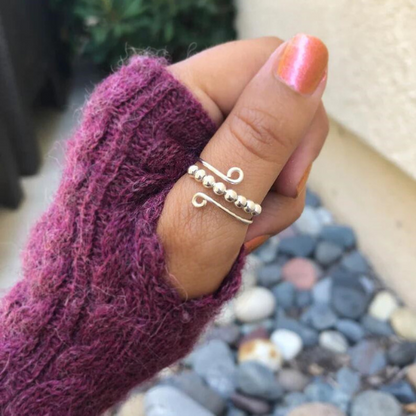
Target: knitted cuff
x=95, y=315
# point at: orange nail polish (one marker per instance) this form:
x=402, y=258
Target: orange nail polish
x=256, y=242
x=304, y=179
x=303, y=63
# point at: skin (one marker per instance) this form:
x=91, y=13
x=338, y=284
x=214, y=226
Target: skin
x=268, y=129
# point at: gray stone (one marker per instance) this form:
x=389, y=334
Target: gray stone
x=250, y=404
x=401, y=390
x=303, y=298
x=312, y=199
x=235, y=412
x=295, y=399
x=256, y=380
x=333, y=341
x=320, y=316
x=267, y=252
x=319, y=391
x=321, y=292
x=327, y=253
x=342, y=235
x=269, y=275
x=193, y=386
x=368, y=284
x=229, y=334
x=348, y=381
x=402, y=354
x=316, y=409
x=169, y=401
x=309, y=222
x=375, y=403
x=292, y=380
x=214, y=362
x=298, y=246
x=352, y=330
x=285, y=295
x=368, y=358
x=349, y=297
x=355, y=262
x=309, y=336
x=374, y=326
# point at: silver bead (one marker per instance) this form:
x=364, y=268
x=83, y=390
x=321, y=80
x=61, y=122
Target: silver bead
x=208, y=181
x=249, y=208
x=192, y=169
x=199, y=175
x=219, y=188
x=241, y=201
x=230, y=195
x=257, y=209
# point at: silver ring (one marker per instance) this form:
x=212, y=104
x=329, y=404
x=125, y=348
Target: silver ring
x=219, y=188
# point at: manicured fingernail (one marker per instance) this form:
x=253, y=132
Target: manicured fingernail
x=303, y=63
x=256, y=242
x=304, y=179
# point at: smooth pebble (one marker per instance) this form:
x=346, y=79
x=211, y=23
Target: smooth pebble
x=262, y=351
x=254, y=305
x=375, y=403
x=287, y=342
x=383, y=306
x=333, y=341
x=403, y=321
x=316, y=409
x=292, y=380
x=301, y=272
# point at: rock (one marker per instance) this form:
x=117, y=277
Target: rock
x=254, y=305
x=250, y=404
x=355, y=262
x=401, y=390
x=133, y=406
x=320, y=316
x=292, y=380
x=375, y=327
x=317, y=409
x=298, y=246
x=169, y=401
x=269, y=275
x=214, y=362
x=287, y=342
x=402, y=354
x=368, y=284
x=295, y=399
x=309, y=222
x=309, y=336
x=257, y=380
x=285, y=295
x=375, y=403
x=327, y=253
x=193, y=386
x=411, y=374
x=265, y=324
x=303, y=298
x=348, y=381
x=229, y=334
x=368, y=358
x=338, y=234
x=349, y=297
x=319, y=391
x=258, y=333
x=235, y=412
x=227, y=315
x=301, y=272
x=403, y=321
x=321, y=292
x=333, y=341
x=312, y=199
x=352, y=330
x=261, y=351
x=325, y=217
x=268, y=251
x=383, y=306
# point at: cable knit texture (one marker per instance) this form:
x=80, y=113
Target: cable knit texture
x=94, y=314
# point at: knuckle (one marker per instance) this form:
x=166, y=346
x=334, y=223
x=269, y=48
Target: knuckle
x=258, y=132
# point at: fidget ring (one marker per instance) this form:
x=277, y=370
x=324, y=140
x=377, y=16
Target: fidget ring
x=200, y=199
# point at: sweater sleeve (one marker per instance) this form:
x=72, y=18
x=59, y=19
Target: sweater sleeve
x=94, y=315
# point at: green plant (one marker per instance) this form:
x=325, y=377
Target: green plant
x=104, y=30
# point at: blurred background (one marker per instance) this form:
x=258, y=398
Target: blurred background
x=52, y=52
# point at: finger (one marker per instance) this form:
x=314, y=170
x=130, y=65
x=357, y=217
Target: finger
x=218, y=75
x=294, y=175
x=279, y=212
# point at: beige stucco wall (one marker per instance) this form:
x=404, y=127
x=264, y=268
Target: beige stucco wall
x=372, y=74
x=366, y=174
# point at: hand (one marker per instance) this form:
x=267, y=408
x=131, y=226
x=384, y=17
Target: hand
x=266, y=97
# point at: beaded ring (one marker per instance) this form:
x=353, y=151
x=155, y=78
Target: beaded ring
x=219, y=188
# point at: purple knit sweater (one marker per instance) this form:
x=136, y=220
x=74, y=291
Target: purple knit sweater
x=94, y=314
